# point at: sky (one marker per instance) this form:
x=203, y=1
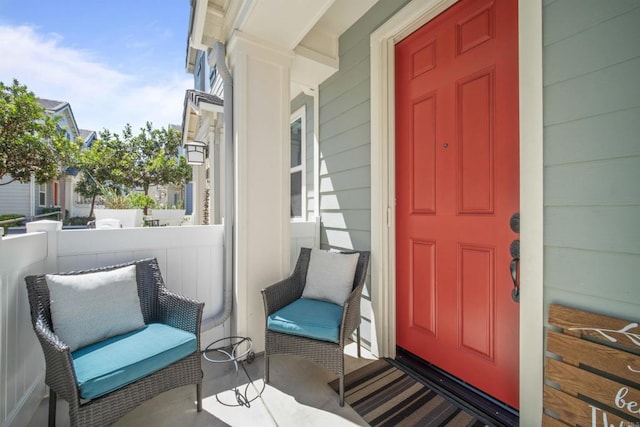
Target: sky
x=114, y=61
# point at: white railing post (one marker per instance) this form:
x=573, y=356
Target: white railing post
x=51, y=228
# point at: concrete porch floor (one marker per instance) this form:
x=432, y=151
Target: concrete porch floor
x=297, y=395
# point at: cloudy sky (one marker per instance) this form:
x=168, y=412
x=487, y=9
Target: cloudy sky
x=115, y=62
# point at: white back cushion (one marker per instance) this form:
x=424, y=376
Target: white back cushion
x=91, y=307
x=330, y=276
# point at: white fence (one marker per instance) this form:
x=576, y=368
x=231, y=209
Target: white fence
x=21, y=359
x=303, y=235
x=190, y=259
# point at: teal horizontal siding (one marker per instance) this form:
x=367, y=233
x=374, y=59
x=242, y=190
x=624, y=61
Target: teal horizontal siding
x=585, y=271
x=568, y=18
x=592, y=155
x=615, y=40
x=614, y=88
x=610, y=182
x=607, y=136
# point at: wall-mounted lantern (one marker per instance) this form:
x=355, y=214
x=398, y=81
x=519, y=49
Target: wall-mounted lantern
x=196, y=152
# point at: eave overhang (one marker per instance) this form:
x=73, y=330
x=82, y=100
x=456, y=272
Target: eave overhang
x=196, y=105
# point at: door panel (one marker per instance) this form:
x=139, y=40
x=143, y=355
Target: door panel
x=456, y=189
x=475, y=104
x=423, y=290
x=423, y=193
x=475, y=299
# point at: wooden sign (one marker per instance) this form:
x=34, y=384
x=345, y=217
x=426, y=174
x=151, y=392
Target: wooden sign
x=592, y=377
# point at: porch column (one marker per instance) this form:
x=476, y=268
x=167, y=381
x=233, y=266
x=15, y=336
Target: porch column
x=262, y=161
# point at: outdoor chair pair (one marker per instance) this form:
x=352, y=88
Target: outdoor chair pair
x=313, y=312
x=113, y=338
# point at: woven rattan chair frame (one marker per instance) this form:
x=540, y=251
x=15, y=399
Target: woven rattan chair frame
x=327, y=354
x=158, y=305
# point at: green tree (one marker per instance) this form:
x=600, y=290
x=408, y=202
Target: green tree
x=103, y=168
x=154, y=154
x=127, y=161
x=31, y=142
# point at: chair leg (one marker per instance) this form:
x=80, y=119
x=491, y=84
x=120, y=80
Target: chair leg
x=266, y=368
x=52, y=407
x=199, y=397
x=358, y=340
x=341, y=390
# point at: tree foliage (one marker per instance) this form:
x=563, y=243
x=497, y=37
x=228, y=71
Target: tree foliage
x=31, y=142
x=103, y=167
x=120, y=163
x=154, y=153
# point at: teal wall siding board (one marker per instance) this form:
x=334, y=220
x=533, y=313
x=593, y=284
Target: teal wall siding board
x=592, y=155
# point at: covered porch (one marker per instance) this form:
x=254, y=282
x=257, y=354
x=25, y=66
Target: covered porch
x=578, y=158
x=191, y=263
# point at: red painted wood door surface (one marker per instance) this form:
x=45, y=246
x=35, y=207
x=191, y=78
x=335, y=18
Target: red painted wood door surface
x=456, y=189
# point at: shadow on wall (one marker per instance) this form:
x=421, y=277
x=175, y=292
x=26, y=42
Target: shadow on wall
x=345, y=206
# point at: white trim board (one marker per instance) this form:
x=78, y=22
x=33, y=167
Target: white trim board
x=404, y=22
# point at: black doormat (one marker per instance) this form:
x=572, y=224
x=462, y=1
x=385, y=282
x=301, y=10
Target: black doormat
x=384, y=394
x=497, y=413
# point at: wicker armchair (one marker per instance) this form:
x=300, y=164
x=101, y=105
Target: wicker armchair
x=158, y=306
x=325, y=353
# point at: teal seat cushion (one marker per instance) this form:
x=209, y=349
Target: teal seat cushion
x=110, y=364
x=308, y=318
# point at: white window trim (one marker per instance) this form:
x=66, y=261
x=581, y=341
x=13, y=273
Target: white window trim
x=42, y=189
x=301, y=113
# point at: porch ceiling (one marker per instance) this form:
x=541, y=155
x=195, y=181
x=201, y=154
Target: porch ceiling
x=309, y=28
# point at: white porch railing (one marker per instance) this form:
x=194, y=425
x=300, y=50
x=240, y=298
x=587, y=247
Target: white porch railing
x=21, y=359
x=190, y=258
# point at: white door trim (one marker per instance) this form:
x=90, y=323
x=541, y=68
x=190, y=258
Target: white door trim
x=404, y=22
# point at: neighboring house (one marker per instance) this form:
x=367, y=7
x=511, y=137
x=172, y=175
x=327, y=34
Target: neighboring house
x=548, y=127
x=29, y=199
x=202, y=127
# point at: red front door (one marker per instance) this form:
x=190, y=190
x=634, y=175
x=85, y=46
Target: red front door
x=456, y=190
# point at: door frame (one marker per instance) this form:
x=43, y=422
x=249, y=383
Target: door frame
x=411, y=17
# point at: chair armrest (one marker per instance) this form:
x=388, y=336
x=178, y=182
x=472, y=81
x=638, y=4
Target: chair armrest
x=351, y=317
x=181, y=312
x=281, y=294
x=60, y=375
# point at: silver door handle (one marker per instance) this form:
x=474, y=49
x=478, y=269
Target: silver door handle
x=513, y=267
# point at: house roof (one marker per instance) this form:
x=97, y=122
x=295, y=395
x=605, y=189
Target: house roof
x=54, y=107
x=88, y=136
x=197, y=97
x=195, y=102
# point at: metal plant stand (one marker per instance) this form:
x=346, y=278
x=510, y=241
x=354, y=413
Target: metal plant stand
x=234, y=349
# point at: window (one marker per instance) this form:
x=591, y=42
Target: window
x=42, y=200
x=298, y=142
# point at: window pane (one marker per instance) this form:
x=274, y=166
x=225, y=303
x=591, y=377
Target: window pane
x=296, y=195
x=296, y=142
x=43, y=195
